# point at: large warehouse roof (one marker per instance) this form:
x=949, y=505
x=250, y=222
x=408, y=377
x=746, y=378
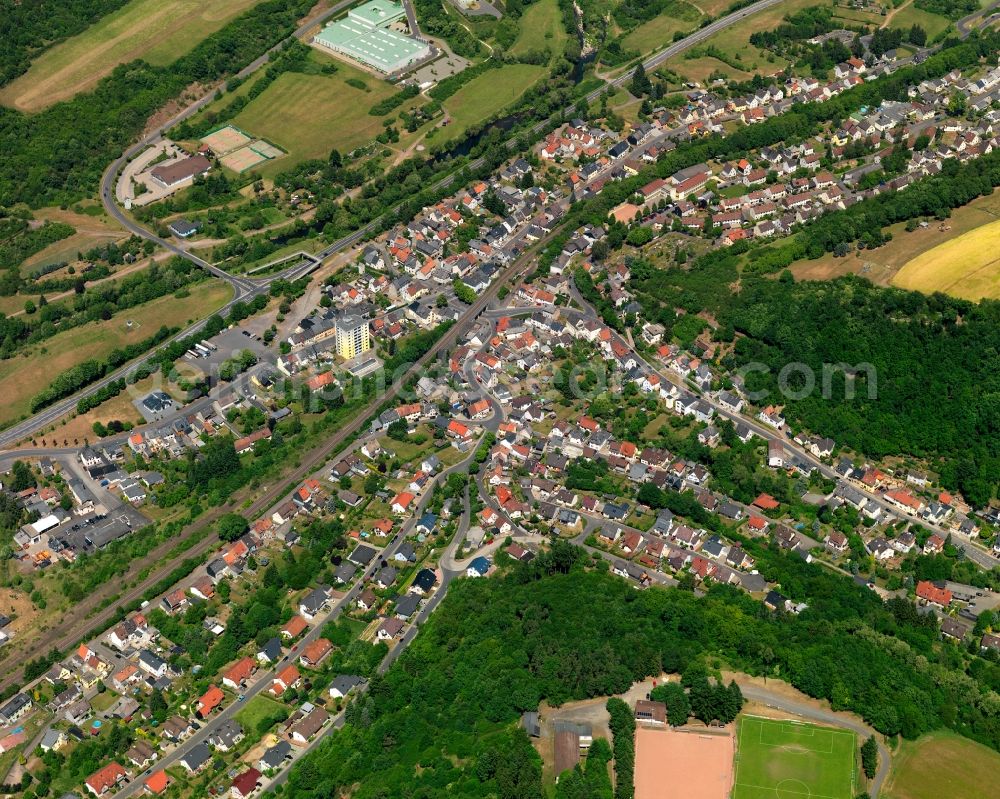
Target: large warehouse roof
x=362, y=35
x=377, y=13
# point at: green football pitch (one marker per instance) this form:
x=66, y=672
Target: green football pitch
x=778, y=759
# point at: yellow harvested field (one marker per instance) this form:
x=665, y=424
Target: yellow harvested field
x=157, y=31
x=967, y=266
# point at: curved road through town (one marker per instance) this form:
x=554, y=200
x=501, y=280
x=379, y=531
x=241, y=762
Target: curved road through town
x=246, y=288
x=61, y=637
x=68, y=631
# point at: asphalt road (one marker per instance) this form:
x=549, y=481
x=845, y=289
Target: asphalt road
x=57, y=410
x=66, y=633
x=964, y=26
x=245, y=288
x=58, y=636
x=974, y=552
x=264, y=678
x=690, y=41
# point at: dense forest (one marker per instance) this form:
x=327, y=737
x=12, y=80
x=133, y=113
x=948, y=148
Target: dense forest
x=936, y=387
x=29, y=28
x=442, y=720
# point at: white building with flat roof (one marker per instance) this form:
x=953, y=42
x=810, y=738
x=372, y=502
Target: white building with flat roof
x=365, y=35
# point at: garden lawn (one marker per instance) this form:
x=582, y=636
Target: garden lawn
x=157, y=31
x=91, y=231
x=881, y=265
x=734, y=42
x=256, y=710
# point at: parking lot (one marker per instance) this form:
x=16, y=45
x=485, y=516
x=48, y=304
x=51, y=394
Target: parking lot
x=99, y=529
x=229, y=344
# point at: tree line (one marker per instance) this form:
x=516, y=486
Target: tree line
x=28, y=29
x=100, y=303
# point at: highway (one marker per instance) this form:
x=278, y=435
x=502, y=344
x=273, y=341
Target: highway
x=689, y=41
x=982, y=18
x=57, y=410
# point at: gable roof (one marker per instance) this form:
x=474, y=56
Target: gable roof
x=294, y=626
x=104, y=779
x=157, y=782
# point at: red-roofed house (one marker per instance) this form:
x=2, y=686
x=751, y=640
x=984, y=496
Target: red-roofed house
x=479, y=409
x=458, y=430
x=757, y=524
x=157, y=782
x=245, y=784
x=294, y=627
x=243, y=444
x=288, y=677
x=314, y=653
x=766, y=502
x=106, y=779
x=931, y=594
x=209, y=701
x=402, y=501
x=904, y=500
x=237, y=674
x=321, y=381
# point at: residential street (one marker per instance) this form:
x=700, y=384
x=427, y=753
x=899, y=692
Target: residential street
x=975, y=552
x=263, y=679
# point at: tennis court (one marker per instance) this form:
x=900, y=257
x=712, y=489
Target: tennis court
x=785, y=759
x=243, y=159
x=267, y=149
x=255, y=153
x=226, y=139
